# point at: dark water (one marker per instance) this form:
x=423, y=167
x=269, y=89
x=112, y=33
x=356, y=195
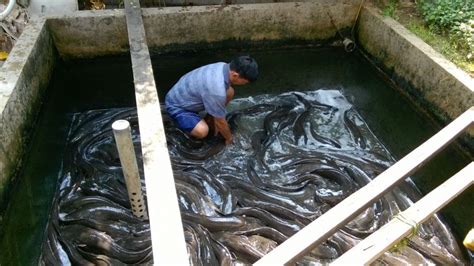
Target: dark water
x=107, y=83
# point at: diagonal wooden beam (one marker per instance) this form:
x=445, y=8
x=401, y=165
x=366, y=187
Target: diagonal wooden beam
x=403, y=224
x=328, y=223
x=166, y=227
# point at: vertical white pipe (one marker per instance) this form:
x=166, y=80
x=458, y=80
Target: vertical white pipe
x=123, y=139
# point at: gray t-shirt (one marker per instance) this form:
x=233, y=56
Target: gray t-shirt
x=203, y=89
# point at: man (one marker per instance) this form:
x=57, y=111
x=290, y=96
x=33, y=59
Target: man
x=208, y=88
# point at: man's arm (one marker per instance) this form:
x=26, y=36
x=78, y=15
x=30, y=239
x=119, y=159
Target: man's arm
x=223, y=128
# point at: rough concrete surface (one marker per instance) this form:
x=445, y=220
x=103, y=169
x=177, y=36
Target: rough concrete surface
x=433, y=81
x=89, y=33
x=23, y=79
x=257, y=22
x=111, y=4
x=94, y=33
x=44, y=7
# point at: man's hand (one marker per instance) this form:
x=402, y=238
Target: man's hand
x=222, y=127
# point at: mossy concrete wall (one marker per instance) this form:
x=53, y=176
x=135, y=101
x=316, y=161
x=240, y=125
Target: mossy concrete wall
x=305, y=21
x=89, y=33
x=111, y=4
x=432, y=81
x=93, y=33
x=23, y=79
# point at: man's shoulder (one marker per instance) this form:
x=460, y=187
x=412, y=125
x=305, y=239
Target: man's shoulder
x=209, y=70
x=205, y=80
x=214, y=66
x=212, y=78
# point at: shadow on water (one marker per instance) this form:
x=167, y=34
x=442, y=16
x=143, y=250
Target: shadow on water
x=107, y=83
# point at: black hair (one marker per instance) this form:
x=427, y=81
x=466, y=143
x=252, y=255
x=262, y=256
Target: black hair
x=246, y=66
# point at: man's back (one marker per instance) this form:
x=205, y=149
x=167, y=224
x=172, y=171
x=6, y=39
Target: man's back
x=201, y=89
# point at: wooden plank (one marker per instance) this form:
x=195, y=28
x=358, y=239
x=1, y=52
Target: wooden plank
x=328, y=223
x=377, y=243
x=166, y=227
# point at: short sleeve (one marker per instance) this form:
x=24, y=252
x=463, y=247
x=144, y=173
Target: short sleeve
x=214, y=105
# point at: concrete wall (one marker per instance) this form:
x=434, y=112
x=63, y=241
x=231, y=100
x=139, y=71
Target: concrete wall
x=89, y=33
x=429, y=79
x=255, y=23
x=110, y=4
x=44, y=7
x=23, y=79
x=93, y=33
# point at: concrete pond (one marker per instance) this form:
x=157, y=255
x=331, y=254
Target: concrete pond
x=432, y=90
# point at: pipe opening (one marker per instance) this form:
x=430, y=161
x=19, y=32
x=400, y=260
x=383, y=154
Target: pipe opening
x=349, y=45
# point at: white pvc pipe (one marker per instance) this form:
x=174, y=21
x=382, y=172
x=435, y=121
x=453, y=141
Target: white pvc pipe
x=123, y=139
x=7, y=10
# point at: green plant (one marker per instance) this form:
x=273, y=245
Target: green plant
x=444, y=45
x=389, y=10
x=445, y=15
x=454, y=18
x=466, y=33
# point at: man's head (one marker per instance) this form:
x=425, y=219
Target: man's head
x=243, y=69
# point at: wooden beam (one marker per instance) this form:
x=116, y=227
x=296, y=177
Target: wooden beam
x=328, y=223
x=166, y=227
x=403, y=224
